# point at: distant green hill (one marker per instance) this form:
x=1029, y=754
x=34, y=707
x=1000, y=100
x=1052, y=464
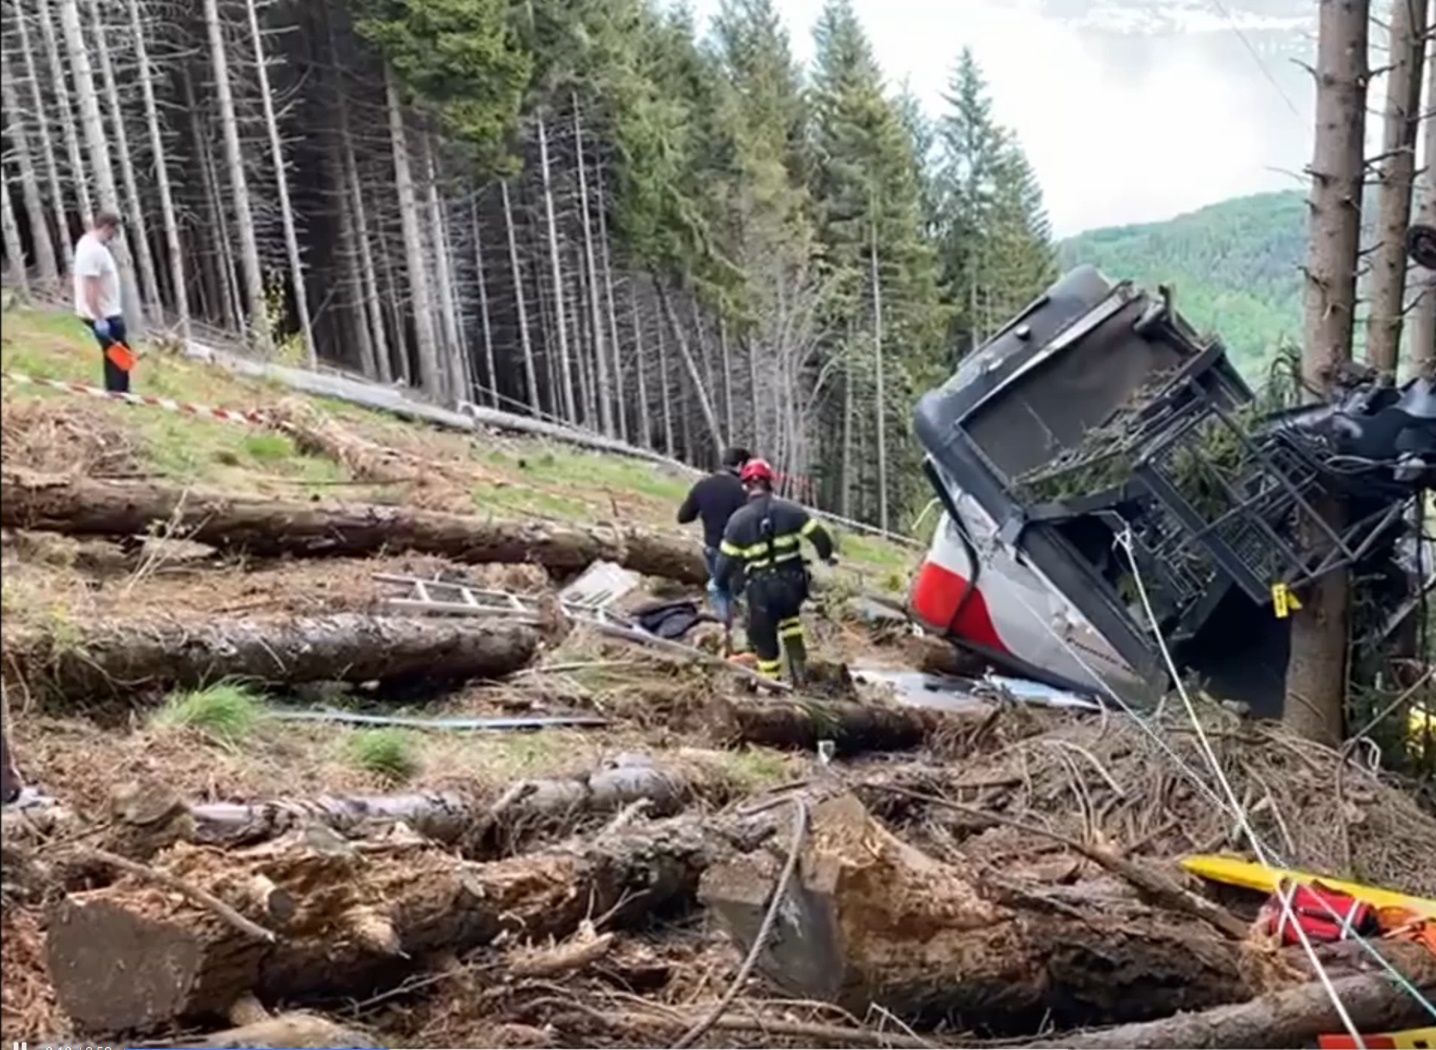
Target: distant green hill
x=1233, y=267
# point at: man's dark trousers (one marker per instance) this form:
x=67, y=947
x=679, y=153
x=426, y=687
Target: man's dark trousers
x=117, y=380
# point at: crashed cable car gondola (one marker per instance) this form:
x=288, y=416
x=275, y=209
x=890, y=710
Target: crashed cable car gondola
x=1098, y=447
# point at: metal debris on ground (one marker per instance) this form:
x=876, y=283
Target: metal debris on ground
x=938, y=692
x=431, y=596
x=1027, y=691
x=950, y=693
x=599, y=586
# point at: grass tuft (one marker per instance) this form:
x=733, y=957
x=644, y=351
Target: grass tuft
x=269, y=448
x=226, y=711
x=754, y=769
x=388, y=753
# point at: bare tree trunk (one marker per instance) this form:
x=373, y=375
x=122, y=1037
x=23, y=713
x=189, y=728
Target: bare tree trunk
x=1396, y=173
x=355, y=317
x=621, y=417
x=845, y=479
x=439, y=248
x=355, y=192
x=78, y=173
x=430, y=375
x=45, y=271
x=465, y=362
x=484, y=325
x=704, y=355
x=880, y=392
x=239, y=187
x=525, y=342
x=231, y=308
x=148, y=276
x=1423, y=310
x=755, y=395
x=645, y=423
x=396, y=316
x=664, y=385
x=727, y=361
x=570, y=409
x=47, y=146
x=705, y=404
x=1316, y=671
x=99, y=151
x=352, y=318
x=162, y=178
x=583, y=361
x=14, y=250
x=604, y=388
x=281, y=179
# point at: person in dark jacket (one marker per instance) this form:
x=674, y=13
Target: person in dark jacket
x=764, y=540
x=715, y=499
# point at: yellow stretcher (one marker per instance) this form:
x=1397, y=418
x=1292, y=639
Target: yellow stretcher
x=1234, y=871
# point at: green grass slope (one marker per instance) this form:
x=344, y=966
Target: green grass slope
x=513, y=477
x=1233, y=266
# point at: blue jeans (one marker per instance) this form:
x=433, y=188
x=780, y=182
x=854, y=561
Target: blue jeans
x=721, y=599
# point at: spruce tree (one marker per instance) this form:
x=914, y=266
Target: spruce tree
x=994, y=237
x=869, y=203
x=458, y=56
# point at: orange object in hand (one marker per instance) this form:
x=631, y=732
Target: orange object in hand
x=121, y=356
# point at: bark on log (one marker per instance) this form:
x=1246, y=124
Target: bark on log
x=366, y=460
x=88, y=506
x=852, y=727
x=1290, y=1017
x=116, y=657
x=873, y=920
x=359, y=920
x=148, y=817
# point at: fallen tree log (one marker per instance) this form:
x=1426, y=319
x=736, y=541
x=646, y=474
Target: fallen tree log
x=1290, y=1017
x=317, y=435
x=90, y=506
x=113, y=657
x=852, y=727
x=146, y=817
x=872, y=920
x=351, y=921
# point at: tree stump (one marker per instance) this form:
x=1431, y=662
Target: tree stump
x=872, y=920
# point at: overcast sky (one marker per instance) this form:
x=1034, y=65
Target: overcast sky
x=1130, y=110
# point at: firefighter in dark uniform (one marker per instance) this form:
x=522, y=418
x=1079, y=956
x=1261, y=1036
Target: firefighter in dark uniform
x=764, y=541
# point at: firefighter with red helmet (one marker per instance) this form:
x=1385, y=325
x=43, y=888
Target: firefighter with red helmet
x=764, y=540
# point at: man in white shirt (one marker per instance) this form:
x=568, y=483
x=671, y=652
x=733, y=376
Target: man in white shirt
x=97, y=294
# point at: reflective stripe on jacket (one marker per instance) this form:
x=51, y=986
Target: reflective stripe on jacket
x=766, y=534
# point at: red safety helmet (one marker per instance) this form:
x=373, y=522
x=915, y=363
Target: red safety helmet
x=756, y=470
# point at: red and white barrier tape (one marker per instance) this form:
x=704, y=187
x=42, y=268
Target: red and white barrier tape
x=227, y=415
